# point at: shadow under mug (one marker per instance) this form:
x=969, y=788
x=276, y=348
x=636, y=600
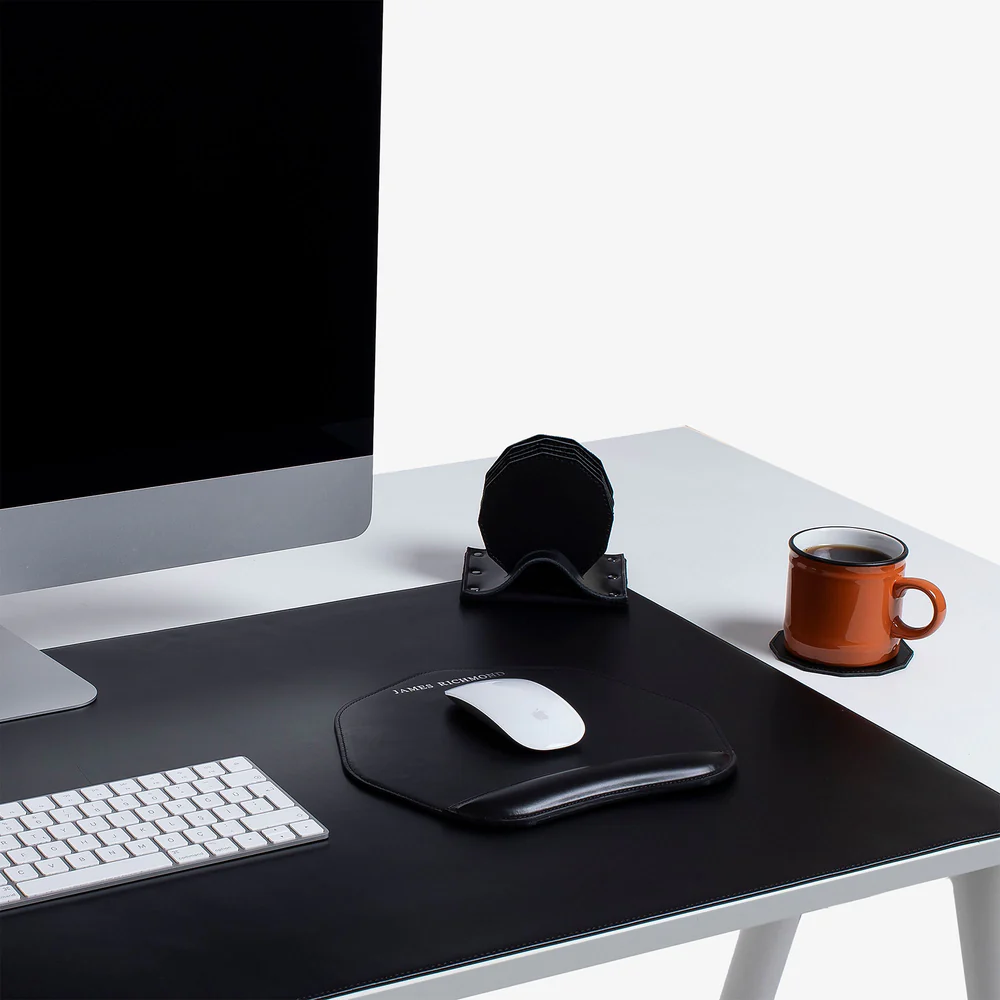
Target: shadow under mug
x=845, y=596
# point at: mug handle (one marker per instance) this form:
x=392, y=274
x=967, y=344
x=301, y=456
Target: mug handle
x=900, y=630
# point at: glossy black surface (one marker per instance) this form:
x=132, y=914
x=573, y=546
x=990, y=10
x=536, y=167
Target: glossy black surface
x=397, y=890
x=189, y=202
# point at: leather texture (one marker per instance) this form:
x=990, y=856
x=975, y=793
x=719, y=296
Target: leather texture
x=564, y=792
x=396, y=891
x=410, y=740
x=544, y=575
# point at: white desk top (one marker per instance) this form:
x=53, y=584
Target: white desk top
x=681, y=500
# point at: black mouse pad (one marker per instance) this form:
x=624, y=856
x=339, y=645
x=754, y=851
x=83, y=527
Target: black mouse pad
x=397, y=891
x=410, y=740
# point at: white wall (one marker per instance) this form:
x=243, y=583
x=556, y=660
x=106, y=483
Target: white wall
x=776, y=222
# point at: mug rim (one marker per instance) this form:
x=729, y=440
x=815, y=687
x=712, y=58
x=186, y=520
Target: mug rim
x=888, y=561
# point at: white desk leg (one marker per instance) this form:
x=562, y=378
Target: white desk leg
x=759, y=961
x=977, y=904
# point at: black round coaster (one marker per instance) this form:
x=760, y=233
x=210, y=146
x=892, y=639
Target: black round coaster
x=546, y=501
x=780, y=650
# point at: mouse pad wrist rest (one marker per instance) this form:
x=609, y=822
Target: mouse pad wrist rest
x=409, y=740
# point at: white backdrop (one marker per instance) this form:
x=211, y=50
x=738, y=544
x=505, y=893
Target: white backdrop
x=776, y=222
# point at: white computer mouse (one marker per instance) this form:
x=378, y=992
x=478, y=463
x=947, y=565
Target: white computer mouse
x=529, y=713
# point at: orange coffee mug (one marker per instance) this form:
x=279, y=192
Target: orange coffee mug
x=845, y=597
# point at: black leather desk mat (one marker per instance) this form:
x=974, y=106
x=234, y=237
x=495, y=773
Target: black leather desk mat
x=396, y=891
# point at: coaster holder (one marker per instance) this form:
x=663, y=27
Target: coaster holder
x=545, y=516
x=543, y=575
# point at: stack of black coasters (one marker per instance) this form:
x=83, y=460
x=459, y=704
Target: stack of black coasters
x=546, y=517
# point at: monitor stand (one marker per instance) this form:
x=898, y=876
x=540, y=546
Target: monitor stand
x=32, y=683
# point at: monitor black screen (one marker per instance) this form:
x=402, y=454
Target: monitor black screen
x=188, y=203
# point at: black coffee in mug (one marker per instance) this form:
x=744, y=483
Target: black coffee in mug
x=848, y=553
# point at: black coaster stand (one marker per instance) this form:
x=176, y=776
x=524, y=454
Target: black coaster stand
x=780, y=650
x=546, y=517
x=543, y=575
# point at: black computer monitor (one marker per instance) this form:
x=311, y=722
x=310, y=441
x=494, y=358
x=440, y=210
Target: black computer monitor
x=188, y=230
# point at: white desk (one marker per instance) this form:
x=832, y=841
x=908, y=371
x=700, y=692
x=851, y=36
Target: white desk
x=681, y=500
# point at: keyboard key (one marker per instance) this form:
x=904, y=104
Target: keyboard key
x=209, y=770
x=64, y=831
x=94, y=825
x=87, y=843
x=279, y=799
x=172, y=824
x=155, y=780
x=41, y=804
x=96, y=793
x=236, y=795
x=127, y=787
x=151, y=813
x=20, y=873
x=209, y=785
x=93, y=876
x=8, y=894
x=274, y=795
x=84, y=860
x=228, y=812
x=54, y=849
x=168, y=841
x=185, y=855
x=4, y=862
x=11, y=810
x=250, y=777
x=199, y=834
x=222, y=847
x=54, y=866
x=280, y=817
x=179, y=774
x=184, y=791
x=203, y=817
x=127, y=818
x=67, y=798
x=66, y=815
x=256, y=806
x=209, y=801
x=140, y=848
x=23, y=856
x=9, y=843
x=114, y=853
x=110, y=837
x=153, y=797
x=279, y=834
x=236, y=764
x=142, y=830
x=35, y=821
x=307, y=828
x=248, y=841
x=230, y=828
x=96, y=809
x=122, y=802
x=31, y=837
x=8, y=826
x=180, y=807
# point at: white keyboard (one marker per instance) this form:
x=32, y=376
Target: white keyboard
x=153, y=824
